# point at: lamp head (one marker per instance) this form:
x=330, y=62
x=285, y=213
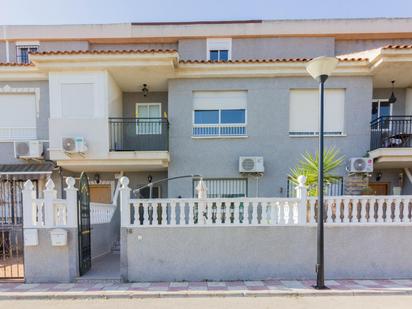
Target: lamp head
x=321, y=67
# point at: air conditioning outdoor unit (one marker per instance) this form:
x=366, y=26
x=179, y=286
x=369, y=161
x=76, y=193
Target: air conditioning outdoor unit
x=251, y=165
x=74, y=144
x=360, y=165
x=28, y=149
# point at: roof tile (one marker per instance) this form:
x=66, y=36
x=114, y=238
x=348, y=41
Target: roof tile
x=104, y=52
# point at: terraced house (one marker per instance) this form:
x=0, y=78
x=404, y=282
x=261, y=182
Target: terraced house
x=230, y=101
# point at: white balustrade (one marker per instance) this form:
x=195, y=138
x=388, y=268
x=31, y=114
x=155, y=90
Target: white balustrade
x=263, y=211
x=101, y=213
x=233, y=212
x=49, y=211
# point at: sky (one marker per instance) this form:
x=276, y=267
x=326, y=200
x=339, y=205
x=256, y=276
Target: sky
x=14, y=12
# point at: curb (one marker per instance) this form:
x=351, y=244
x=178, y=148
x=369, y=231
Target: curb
x=190, y=294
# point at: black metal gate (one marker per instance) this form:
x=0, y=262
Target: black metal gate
x=83, y=200
x=11, y=228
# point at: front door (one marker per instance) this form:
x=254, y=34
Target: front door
x=83, y=200
x=379, y=188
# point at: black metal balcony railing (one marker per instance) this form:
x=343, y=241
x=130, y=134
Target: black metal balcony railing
x=391, y=131
x=139, y=134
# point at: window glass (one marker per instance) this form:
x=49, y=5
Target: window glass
x=232, y=116
x=214, y=55
x=206, y=117
x=224, y=55
x=375, y=110
x=385, y=109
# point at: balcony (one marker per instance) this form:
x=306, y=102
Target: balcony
x=391, y=142
x=139, y=134
x=391, y=132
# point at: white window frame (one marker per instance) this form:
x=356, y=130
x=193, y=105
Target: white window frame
x=219, y=125
x=379, y=111
x=36, y=92
x=219, y=44
x=25, y=44
x=137, y=116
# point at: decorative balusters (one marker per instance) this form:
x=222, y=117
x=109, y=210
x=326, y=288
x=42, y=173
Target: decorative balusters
x=236, y=212
x=328, y=204
x=312, y=205
x=405, y=211
x=164, y=213
x=218, y=219
x=397, y=210
x=253, y=213
x=381, y=202
x=363, y=213
x=173, y=213
x=338, y=204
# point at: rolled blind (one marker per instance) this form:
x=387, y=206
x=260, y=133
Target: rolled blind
x=304, y=111
x=17, y=111
x=211, y=100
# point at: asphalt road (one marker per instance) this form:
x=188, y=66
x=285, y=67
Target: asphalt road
x=319, y=302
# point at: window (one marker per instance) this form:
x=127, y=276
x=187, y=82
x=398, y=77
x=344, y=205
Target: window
x=335, y=189
x=219, y=113
x=381, y=108
x=219, y=49
x=18, y=116
x=304, y=112
x=23, y=50
x=223, y=187
x=149, y=118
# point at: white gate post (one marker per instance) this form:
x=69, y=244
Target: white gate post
x=124, y=202
x=71, y=200
x=28, y=210
x=302, y=194
x=49, y=196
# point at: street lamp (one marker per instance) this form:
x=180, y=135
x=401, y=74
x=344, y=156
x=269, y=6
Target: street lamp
x=320, y=68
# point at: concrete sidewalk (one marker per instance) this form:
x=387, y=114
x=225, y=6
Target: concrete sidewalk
x=199, y=289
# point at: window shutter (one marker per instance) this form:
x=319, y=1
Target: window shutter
x=212, y=100
x=304, y=111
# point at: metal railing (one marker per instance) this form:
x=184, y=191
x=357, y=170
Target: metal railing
x=391, y=132
x=139, y=134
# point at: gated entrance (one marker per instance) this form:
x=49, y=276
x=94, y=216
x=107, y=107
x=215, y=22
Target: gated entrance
x=83, y=201
x=11, y=228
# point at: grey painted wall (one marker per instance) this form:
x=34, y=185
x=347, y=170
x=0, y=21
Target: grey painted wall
x=46, y=263
x=63, y=45
x=270, y=48
x=398, y=108
x=139, y=46
x=194, y=49
x=42, y=123
x=352, y=46
x=131, y=98
x=3, y=56
x=251, y=253
x=267, y=130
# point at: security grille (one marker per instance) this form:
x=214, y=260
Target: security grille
x=223, y=187
x=11, y=229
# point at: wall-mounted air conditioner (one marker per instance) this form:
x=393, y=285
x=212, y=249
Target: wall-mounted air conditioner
x=28, y=149
x=360, y=165
x=74, y=144
x=251, y=165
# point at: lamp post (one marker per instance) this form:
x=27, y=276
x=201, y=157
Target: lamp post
x=320, y=68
